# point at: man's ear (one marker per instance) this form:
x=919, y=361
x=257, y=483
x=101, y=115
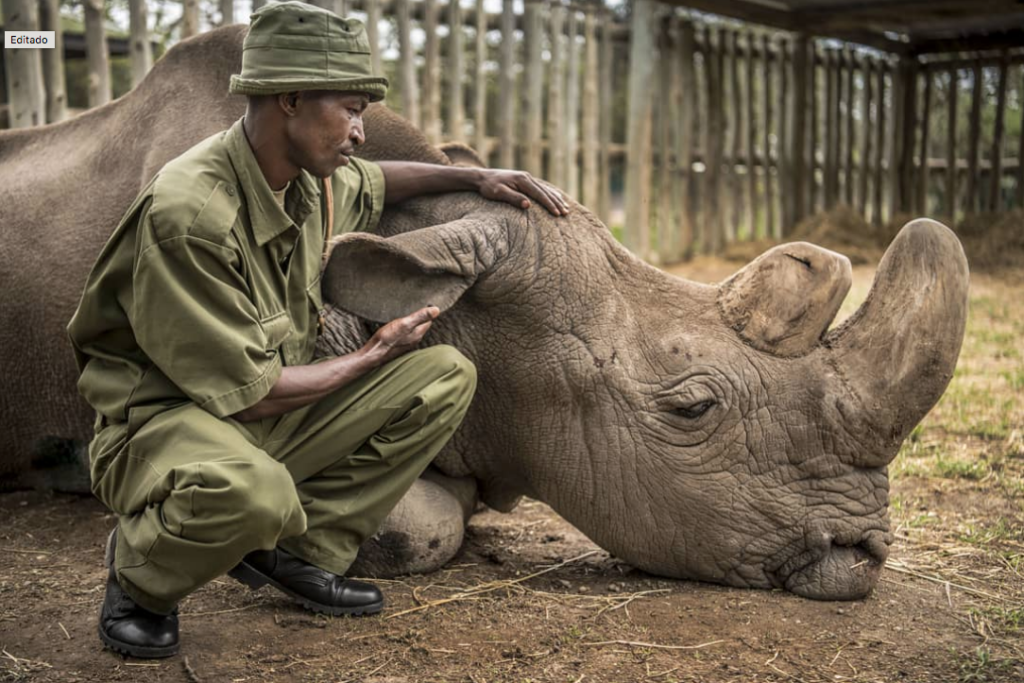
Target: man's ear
x=381, y=279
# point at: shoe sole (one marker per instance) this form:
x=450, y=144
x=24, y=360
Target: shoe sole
x=254, y=579
x=122, y=647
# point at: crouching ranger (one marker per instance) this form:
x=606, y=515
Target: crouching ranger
x=220, y=444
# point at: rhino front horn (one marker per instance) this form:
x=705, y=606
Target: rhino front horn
x=895, y=356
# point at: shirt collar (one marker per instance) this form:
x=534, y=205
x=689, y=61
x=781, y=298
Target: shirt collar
x=267, y=217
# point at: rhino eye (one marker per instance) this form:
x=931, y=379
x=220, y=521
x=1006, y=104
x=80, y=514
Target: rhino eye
x=695, y=410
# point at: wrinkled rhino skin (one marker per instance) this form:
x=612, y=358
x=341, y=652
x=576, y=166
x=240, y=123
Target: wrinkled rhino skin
x=720, y=433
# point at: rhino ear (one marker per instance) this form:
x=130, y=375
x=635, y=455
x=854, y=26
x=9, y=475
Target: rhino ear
x=784, y=301
x=381, y=279
x=461, y=154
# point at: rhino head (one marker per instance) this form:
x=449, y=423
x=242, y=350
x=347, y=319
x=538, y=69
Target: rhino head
x=719, y=433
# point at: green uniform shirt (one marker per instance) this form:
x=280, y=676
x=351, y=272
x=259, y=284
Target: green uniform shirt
x=207, y=287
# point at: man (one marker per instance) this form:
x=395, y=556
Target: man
x=220, y=443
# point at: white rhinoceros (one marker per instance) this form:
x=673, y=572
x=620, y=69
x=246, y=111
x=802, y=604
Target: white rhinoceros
x=718, y=433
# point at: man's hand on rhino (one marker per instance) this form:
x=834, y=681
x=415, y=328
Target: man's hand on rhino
x=401, y=335
x=518, y=188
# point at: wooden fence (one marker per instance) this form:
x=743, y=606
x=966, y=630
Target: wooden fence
x=688, y=133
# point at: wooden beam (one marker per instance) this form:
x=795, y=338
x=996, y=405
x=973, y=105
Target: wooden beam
x=53, y=59
x=572, y=110
x=974, y=142
x=906, y=76
x=431, y=73
x=851, y=98
x=864, y=170
x=407, y=66
x=456, y=104
x=769, y=195
x=813, y=195
x=996, y=177
x=480, y=83
x=880, y=118
x=831, y=137
x=752, y=195
x=533, y=87
x=736, y=128
x=687, y=87
x=96, y=53
x=1020, y=151
x=591, y=178
x=638, y=128
x=926, y=111
x=665, y=228
x=556, y=100
x=782, y=135
x=507, y=86
x=714, y=54
x=798, y=138
x=604, y=123
x=951, y=156
x=372, y=8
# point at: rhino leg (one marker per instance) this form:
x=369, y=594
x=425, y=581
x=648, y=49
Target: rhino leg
x=423, y=532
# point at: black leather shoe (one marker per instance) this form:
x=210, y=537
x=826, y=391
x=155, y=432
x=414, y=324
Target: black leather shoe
x=126, y=627
x=316, y=589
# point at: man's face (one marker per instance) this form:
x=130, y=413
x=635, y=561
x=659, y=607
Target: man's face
x=324, y=129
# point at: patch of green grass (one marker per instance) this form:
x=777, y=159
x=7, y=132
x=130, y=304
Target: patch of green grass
x=981, y=667
x=956, y=468
x=985, y=534
x=1014, y=378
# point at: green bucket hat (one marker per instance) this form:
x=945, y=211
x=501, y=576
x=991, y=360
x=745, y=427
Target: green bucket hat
x=296, y=46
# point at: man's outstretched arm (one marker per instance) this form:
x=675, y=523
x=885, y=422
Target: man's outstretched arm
x=302, y=385
x=407, y=179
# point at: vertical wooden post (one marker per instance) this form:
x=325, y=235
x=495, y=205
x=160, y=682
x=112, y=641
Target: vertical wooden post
x=604, y=123
x=572, y=111
x=784, y=187
x=798, y=133
x=769, y=193
x=456, y=105
x=534, y=86
x=851, y=98
x=829, y=138
x=926, y=109
x=814, y=195
x=738, y=209
x=507, y=86
x=714, y=56
x=189, y=18
x=686, y=86
x=23, y=69
x=141, y=49
x=96, y=53
x=996, y=176
x=880, y=117
x=53, y=62
x=752, y=162
x=227, y=12
x=906, y=123
x=407, y=67
x=951, y=156
x=432, y=73
x=638, y=128
x=556, y=100
x=256, y=4
x=864, y=170
x=373, y=34
x=1019, y=199
x=665, y=227
x=974, y=141
x=589, y=192
x=480, y=87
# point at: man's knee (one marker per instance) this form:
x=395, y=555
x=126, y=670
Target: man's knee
x=257, y=501
x=456, y=374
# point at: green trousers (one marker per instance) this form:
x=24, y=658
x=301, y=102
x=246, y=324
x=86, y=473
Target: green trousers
x=195, y=493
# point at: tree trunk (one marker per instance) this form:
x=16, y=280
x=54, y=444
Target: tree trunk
x=227, y=12
x=24, y=68
x=141, y=50
x=373, y=34
x=53, y=63
x=638, y=129
x=96, y=54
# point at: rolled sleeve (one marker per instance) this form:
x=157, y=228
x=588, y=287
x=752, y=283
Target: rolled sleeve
x=193, y=317
x=359, y=196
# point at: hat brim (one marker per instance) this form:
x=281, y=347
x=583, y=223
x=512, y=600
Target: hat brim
x=376, y=87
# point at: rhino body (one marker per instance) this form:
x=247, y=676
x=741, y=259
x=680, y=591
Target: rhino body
x=719, y=433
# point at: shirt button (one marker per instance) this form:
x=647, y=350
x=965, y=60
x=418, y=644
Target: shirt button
x=230, y=189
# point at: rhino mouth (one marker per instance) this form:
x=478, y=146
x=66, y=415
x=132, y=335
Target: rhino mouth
x=834, y=568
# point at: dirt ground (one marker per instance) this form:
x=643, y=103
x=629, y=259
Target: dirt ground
x=529, y=598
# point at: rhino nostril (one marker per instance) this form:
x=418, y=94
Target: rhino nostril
x=872, y=550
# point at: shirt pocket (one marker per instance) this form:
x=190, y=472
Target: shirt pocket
x=276, y=328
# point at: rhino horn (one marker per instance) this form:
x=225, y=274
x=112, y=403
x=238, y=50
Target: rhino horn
x=895, y=356
x=783, y=301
